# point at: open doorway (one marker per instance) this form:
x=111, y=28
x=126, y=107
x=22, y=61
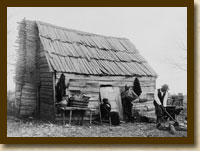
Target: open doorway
x=114, y=96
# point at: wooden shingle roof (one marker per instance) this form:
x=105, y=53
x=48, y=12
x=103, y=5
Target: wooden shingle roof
x=78, y=52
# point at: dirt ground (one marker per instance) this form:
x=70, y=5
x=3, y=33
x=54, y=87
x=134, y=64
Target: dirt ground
x=36, y=128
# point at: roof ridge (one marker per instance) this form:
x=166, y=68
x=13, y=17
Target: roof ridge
x=79, y=31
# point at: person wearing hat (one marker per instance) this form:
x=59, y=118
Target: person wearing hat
x=160, y=103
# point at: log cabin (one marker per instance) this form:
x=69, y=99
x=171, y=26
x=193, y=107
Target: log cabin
x=98, y=66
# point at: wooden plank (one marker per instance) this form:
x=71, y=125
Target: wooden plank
x=89, y=66
x=44, y=70
x=46, y=86
x=48, y=75
x=106, y=78
x=54, y=94
x=65, y=65
x=85, y=90
x=46, y=115
x=76, y=82
x=31, y=94
x=29, y=90
x=46, y=109
x=28, y=98
x=43, y=65
x=31, y=100
x=47, y=105
x=45, y=112
x=46, y=79
x=49, y=90
x=28, y=104
x=46, y=95
x=67, y=61
x=46, y=100
x=28, y=108
x=46, y=83
x=32, y=87
x=29, y=84
x=25, y=113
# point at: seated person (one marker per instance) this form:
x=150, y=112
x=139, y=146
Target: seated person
x=105, y=108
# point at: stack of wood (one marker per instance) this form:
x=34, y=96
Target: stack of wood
x=145, y=108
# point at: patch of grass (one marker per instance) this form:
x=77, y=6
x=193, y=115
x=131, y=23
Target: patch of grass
x=36, y=128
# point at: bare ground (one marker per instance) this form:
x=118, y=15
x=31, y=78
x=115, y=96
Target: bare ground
x=36, y=128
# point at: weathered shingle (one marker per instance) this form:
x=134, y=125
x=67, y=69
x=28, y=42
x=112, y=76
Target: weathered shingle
x=79, y=52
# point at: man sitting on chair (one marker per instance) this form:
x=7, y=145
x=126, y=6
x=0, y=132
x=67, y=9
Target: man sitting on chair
x=105, y=109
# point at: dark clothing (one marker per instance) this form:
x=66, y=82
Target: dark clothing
x=127, y=108
x=60, y=88
x=136, y=87
x=127, y=104
x=105, y=110
x=158, y=108
x=114, y=118
x=160, y=96
x=159, y=112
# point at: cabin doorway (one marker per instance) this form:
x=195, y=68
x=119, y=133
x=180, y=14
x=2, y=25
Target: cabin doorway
x=114, y=96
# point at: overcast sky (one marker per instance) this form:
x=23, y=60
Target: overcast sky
x=159, y=33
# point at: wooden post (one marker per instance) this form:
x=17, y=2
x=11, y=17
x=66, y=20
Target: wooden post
x=38, y=99
x=100, y=112
x=90, y=116
x=64, y=118
x=70, y=117
x=54, y=95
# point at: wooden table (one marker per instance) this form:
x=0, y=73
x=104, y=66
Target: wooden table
x=71, y=109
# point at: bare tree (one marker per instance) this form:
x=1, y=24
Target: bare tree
x=181, y=61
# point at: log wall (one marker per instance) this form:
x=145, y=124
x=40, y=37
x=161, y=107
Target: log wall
x=46, y=93
x=26, y=70
x=148, y=84
x=34, y=82
x=90, y=85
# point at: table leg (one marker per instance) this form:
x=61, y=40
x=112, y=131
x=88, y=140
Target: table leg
x=70, y=118
x=82, y=117
x=90, y=117
x=64, y=118
x=109, y=118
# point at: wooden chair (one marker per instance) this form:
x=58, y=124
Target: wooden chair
x=93, y=110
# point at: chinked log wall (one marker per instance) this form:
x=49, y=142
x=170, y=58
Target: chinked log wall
x=26, y=71
x=90, y=85
x=46, y=98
